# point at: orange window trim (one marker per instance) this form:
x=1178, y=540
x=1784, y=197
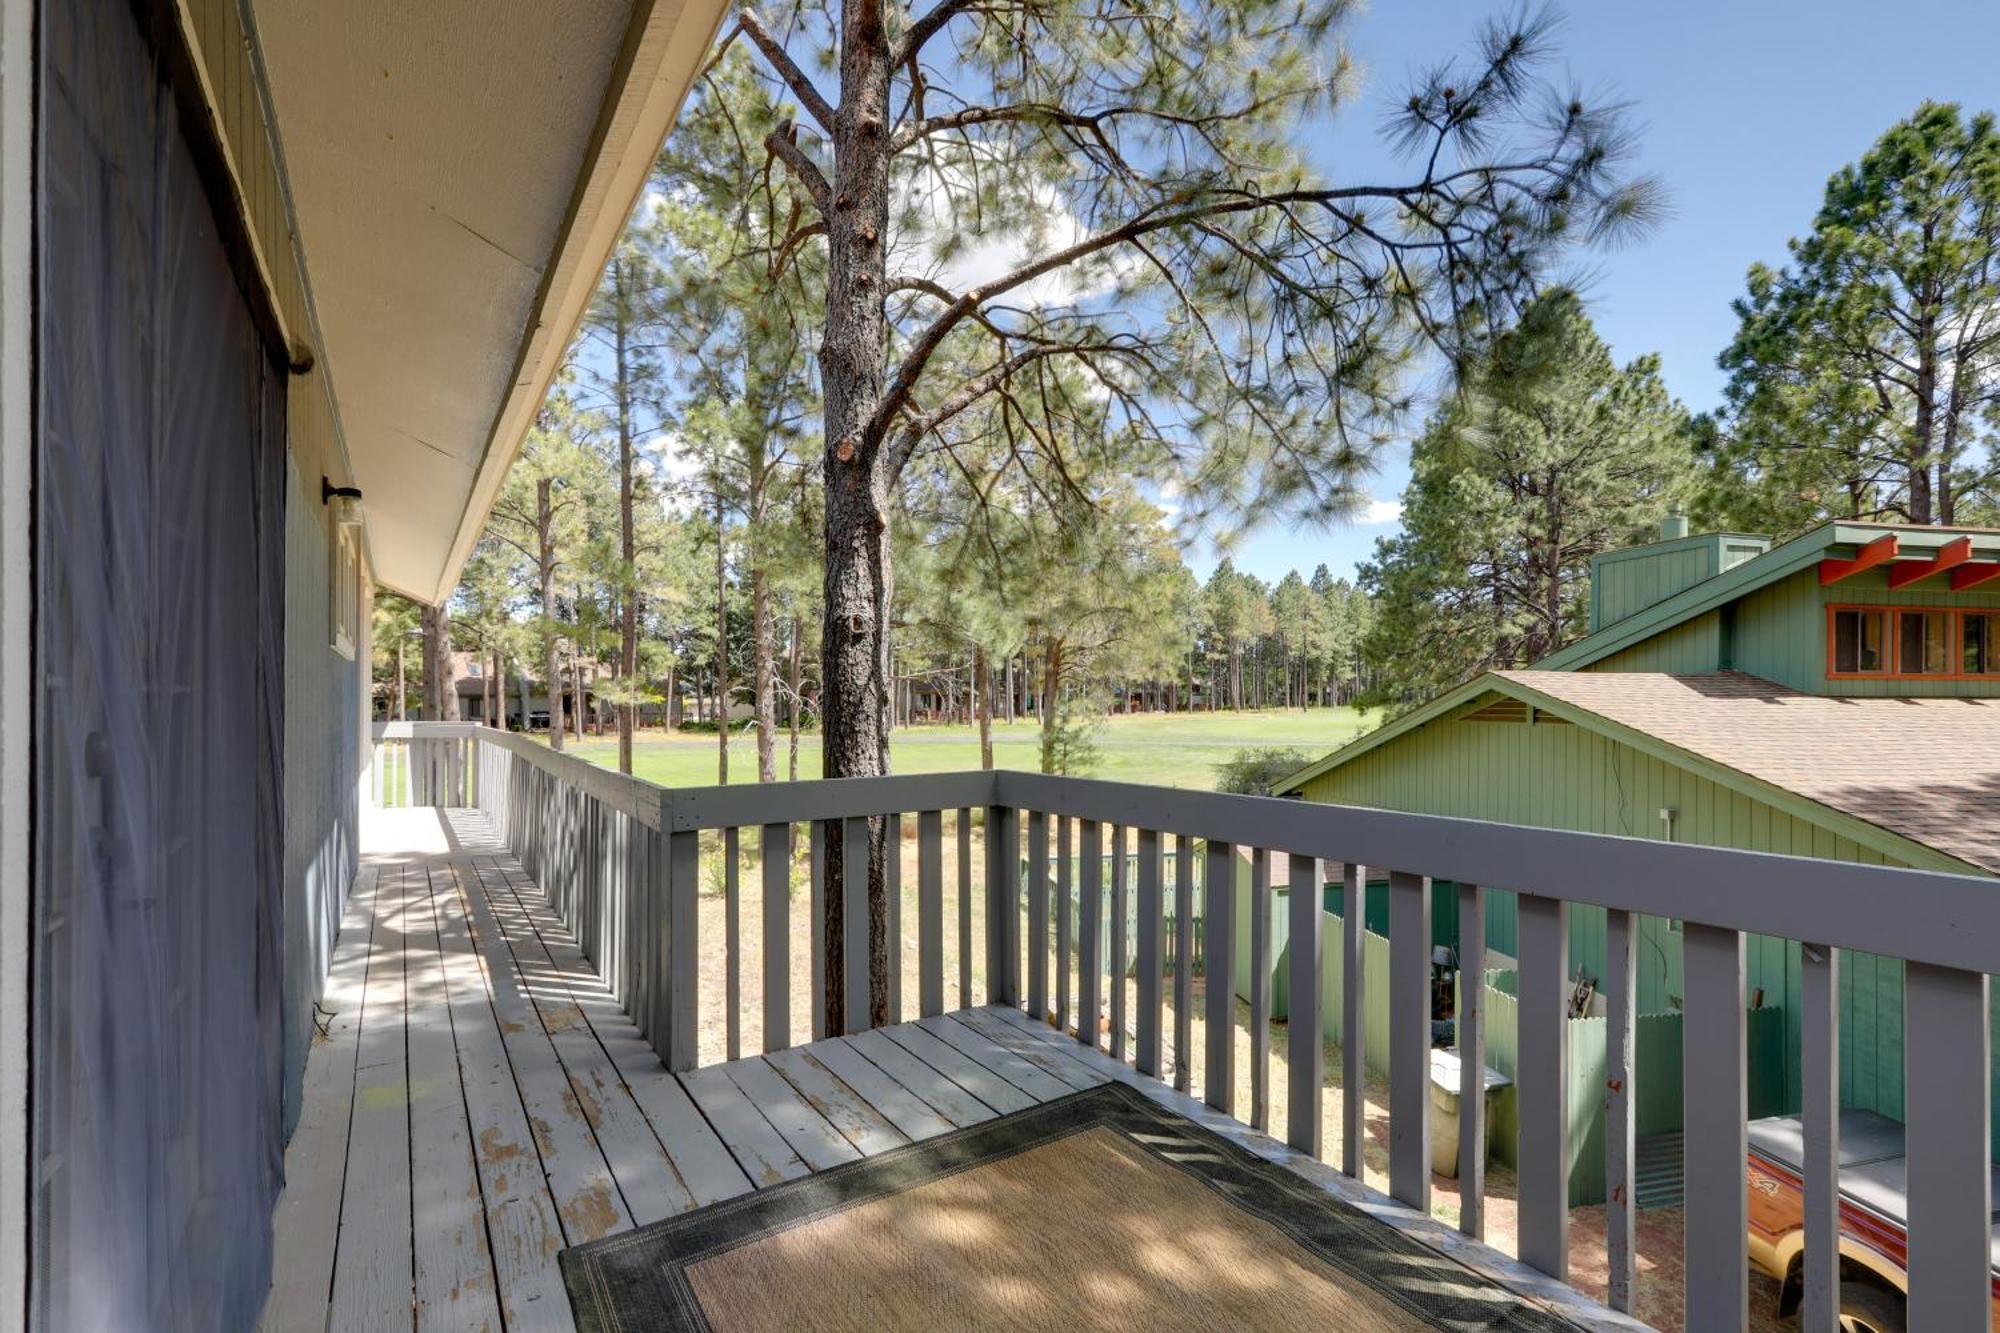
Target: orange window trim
x=1954, y=642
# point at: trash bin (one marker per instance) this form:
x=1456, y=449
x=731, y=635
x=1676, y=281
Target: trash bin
x=1445, y=1086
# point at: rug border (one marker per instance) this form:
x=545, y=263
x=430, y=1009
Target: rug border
x=721, y=1226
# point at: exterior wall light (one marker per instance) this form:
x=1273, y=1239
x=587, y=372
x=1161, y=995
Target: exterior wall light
x=345, y=501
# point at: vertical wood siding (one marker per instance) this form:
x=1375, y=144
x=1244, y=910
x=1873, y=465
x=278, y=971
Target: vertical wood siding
x=1780, y=634
x=1569, y=777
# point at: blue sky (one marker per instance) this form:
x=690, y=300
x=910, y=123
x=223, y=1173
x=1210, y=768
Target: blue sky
x=1746, y=108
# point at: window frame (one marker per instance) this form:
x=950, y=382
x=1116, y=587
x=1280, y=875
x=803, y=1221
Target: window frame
x=344, y=593
x=1954, y=642
x=1992, y=673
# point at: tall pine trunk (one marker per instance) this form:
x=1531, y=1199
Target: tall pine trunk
x=795, y=708
x=628, y=572
x=982, y=703
x=545, y=552
x=721, y=646
x=858, y=582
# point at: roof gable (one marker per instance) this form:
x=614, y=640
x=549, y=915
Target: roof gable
x=1918, y=780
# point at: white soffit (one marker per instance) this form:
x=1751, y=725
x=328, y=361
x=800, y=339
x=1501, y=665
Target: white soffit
x=459, y=172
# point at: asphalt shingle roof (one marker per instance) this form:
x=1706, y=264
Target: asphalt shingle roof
x=1925, y=768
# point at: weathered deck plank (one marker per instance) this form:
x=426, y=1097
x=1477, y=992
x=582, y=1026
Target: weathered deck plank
x=960, y=1068
x=585, y=1192
x=911, y=1114
x=307, y=1221
x=935, y=1090
x=455, y=1283
x=705, y=1165
x=1032, y=1079
x=443, y=1150
x=758, y=1148
x=373, y=1267
x=646, y=1177
x=812, y=1137
x=858, y=1122
x=521, y=1221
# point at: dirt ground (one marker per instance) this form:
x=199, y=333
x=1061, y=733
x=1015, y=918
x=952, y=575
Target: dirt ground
x=1659, y=1240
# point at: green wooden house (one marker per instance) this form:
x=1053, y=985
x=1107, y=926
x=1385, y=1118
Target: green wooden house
x=1834, y=696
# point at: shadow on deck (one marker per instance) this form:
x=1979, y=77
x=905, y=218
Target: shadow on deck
x=476, y=1102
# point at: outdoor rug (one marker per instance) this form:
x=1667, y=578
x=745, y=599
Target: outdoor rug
x=1101, y=1210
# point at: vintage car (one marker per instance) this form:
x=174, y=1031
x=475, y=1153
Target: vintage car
x=1873, y=1213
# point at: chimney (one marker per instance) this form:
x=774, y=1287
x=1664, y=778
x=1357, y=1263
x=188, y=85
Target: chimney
x=1674, y=526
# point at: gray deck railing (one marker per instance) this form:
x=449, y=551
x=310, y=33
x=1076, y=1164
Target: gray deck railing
x=621, y=860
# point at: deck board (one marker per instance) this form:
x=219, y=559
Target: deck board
x=455, y=1283
x=647, y=1181
x=521, y=1217
x=444, y=1156
x=373, y=1272
x=307, y=1221
x=705, y=1165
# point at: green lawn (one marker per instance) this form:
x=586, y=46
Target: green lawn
x=1174, y=750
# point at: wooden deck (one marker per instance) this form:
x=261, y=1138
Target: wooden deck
x=477, y=1102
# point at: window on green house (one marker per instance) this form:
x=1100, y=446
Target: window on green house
x=1860, y=641
x=1982, y=643
x=1924, y=643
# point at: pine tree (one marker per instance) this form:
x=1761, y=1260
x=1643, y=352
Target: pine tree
x=1865, y=375
x=1247, y=317
x=1553, y=455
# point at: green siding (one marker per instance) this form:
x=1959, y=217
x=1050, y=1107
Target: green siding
x=1779, y=633
x=1570, y=777
x=1623, y=583
x=1694, y=645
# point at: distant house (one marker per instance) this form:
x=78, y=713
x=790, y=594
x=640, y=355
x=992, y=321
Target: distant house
x=1836, y=696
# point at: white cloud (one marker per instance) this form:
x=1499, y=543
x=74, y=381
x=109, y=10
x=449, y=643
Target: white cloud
x=1380, y=513
x=930, y=204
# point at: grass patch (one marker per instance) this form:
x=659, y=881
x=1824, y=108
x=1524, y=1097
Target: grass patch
x=1166, y=749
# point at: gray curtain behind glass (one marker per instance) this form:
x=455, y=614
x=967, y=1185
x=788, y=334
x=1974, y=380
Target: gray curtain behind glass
x=158, y=717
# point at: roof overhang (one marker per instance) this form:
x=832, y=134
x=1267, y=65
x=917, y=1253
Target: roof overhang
x=458, y=174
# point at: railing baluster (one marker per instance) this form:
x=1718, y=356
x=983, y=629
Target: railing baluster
x=1120, y=938
x=1353, y=1020
x=684, y=969
x=1218, y=926
x=1471, y=1025
x=1620, y=1210
x=652, y=1010
x=1152, y=924
x=892, y=883
x=1947, y=1056
x=1819, y=1110
x=1003, y=906
x=816, y=880
x=1065, y=935
x=732, y=946
x=1038, y=915
x=777, y=862
x=854, y=922
x=1260, y=990
x=1183, y=962
x=1542, y=1090
x=1305, y=1019
x=1410, y=1039
x=964, y=831
x=930, y=912
x=1717, y=1141
x=1089, y=953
